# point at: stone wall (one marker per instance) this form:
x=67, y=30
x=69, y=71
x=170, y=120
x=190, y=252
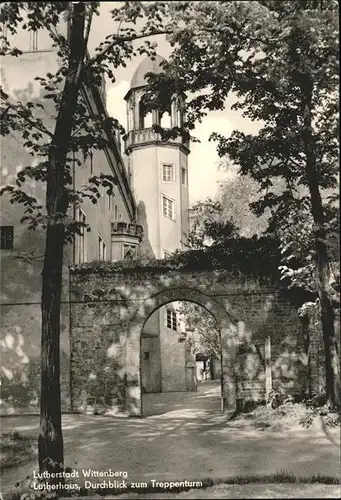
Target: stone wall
x=119, y=303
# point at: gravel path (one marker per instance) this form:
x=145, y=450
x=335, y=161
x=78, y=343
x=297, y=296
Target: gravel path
x=185, y=437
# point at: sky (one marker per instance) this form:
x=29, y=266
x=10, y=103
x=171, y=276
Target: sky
x=203, y=171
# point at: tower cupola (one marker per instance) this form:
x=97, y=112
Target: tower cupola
x=141, y=117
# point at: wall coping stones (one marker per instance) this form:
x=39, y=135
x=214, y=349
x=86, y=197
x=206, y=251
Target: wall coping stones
x=239, y=260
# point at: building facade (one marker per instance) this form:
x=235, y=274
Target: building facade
x=116, y=222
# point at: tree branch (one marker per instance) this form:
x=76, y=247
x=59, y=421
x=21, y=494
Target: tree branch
x=120, y=40
x=21, y=112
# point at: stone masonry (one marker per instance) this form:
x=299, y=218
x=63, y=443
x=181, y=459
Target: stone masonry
x=109, y=309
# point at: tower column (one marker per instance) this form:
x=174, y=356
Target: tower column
x=155, y=116
x=173, y=114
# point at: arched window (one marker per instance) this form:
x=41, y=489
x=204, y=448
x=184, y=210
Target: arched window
x=165, y=119
x=145, y=115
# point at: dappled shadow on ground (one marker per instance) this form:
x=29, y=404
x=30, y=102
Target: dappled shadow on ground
x=206, y=402
x=247, y=491
x=188, y=438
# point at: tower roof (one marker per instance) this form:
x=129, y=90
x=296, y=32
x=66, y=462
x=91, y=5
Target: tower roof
x=147, y=65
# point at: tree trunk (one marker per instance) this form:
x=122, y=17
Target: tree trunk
x=322, y=260
x=50, y=441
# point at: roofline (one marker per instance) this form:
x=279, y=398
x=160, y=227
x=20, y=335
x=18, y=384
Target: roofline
x=117, y=166
x=126, y=97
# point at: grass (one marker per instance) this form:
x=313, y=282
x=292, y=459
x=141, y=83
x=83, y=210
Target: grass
x=280, y=477
x=16, y=449
x=288, y=415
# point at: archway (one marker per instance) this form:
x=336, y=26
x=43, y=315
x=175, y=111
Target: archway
x=110, y=304
x=180, y=362
x=228, y=344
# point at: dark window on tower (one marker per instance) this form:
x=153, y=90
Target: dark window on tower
x=183, y=177
x=6, y=235
x=33, y=41
x=146, y=355
x=91, y=161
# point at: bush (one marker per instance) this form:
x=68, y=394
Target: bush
x=16, y=449
x=315, y=401
x=275, y=399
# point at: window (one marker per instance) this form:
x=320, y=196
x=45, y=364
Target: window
x=80, y=239
x=102, y=250
x=91, y=161
x=3, y=37
x=146, y=355
x=167, y=173
x=110, y=201
x=168, y=207
x=171, y=319
x=183, y=177
x=129, y=252
x=145, y=114
x=6, y=234
x=33, y=41
x=165, y=119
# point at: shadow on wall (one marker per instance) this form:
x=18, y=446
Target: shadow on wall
x=21, y=326
x=20, y=385
x=98, y=372
x=20, y=271
x=277, y=319
x=145, y=246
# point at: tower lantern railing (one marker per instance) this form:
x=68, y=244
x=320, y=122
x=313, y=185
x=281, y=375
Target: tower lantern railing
x=145, y=136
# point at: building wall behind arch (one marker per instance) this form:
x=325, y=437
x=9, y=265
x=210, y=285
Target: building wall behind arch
x=21, y=277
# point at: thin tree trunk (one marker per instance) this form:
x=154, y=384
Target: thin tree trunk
x=322, y=260
x=50, y=441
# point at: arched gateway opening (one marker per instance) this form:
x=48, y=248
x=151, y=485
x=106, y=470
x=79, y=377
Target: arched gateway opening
x=146, y=309
x=110, y=304
x=165, y=365
x=181, y=360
